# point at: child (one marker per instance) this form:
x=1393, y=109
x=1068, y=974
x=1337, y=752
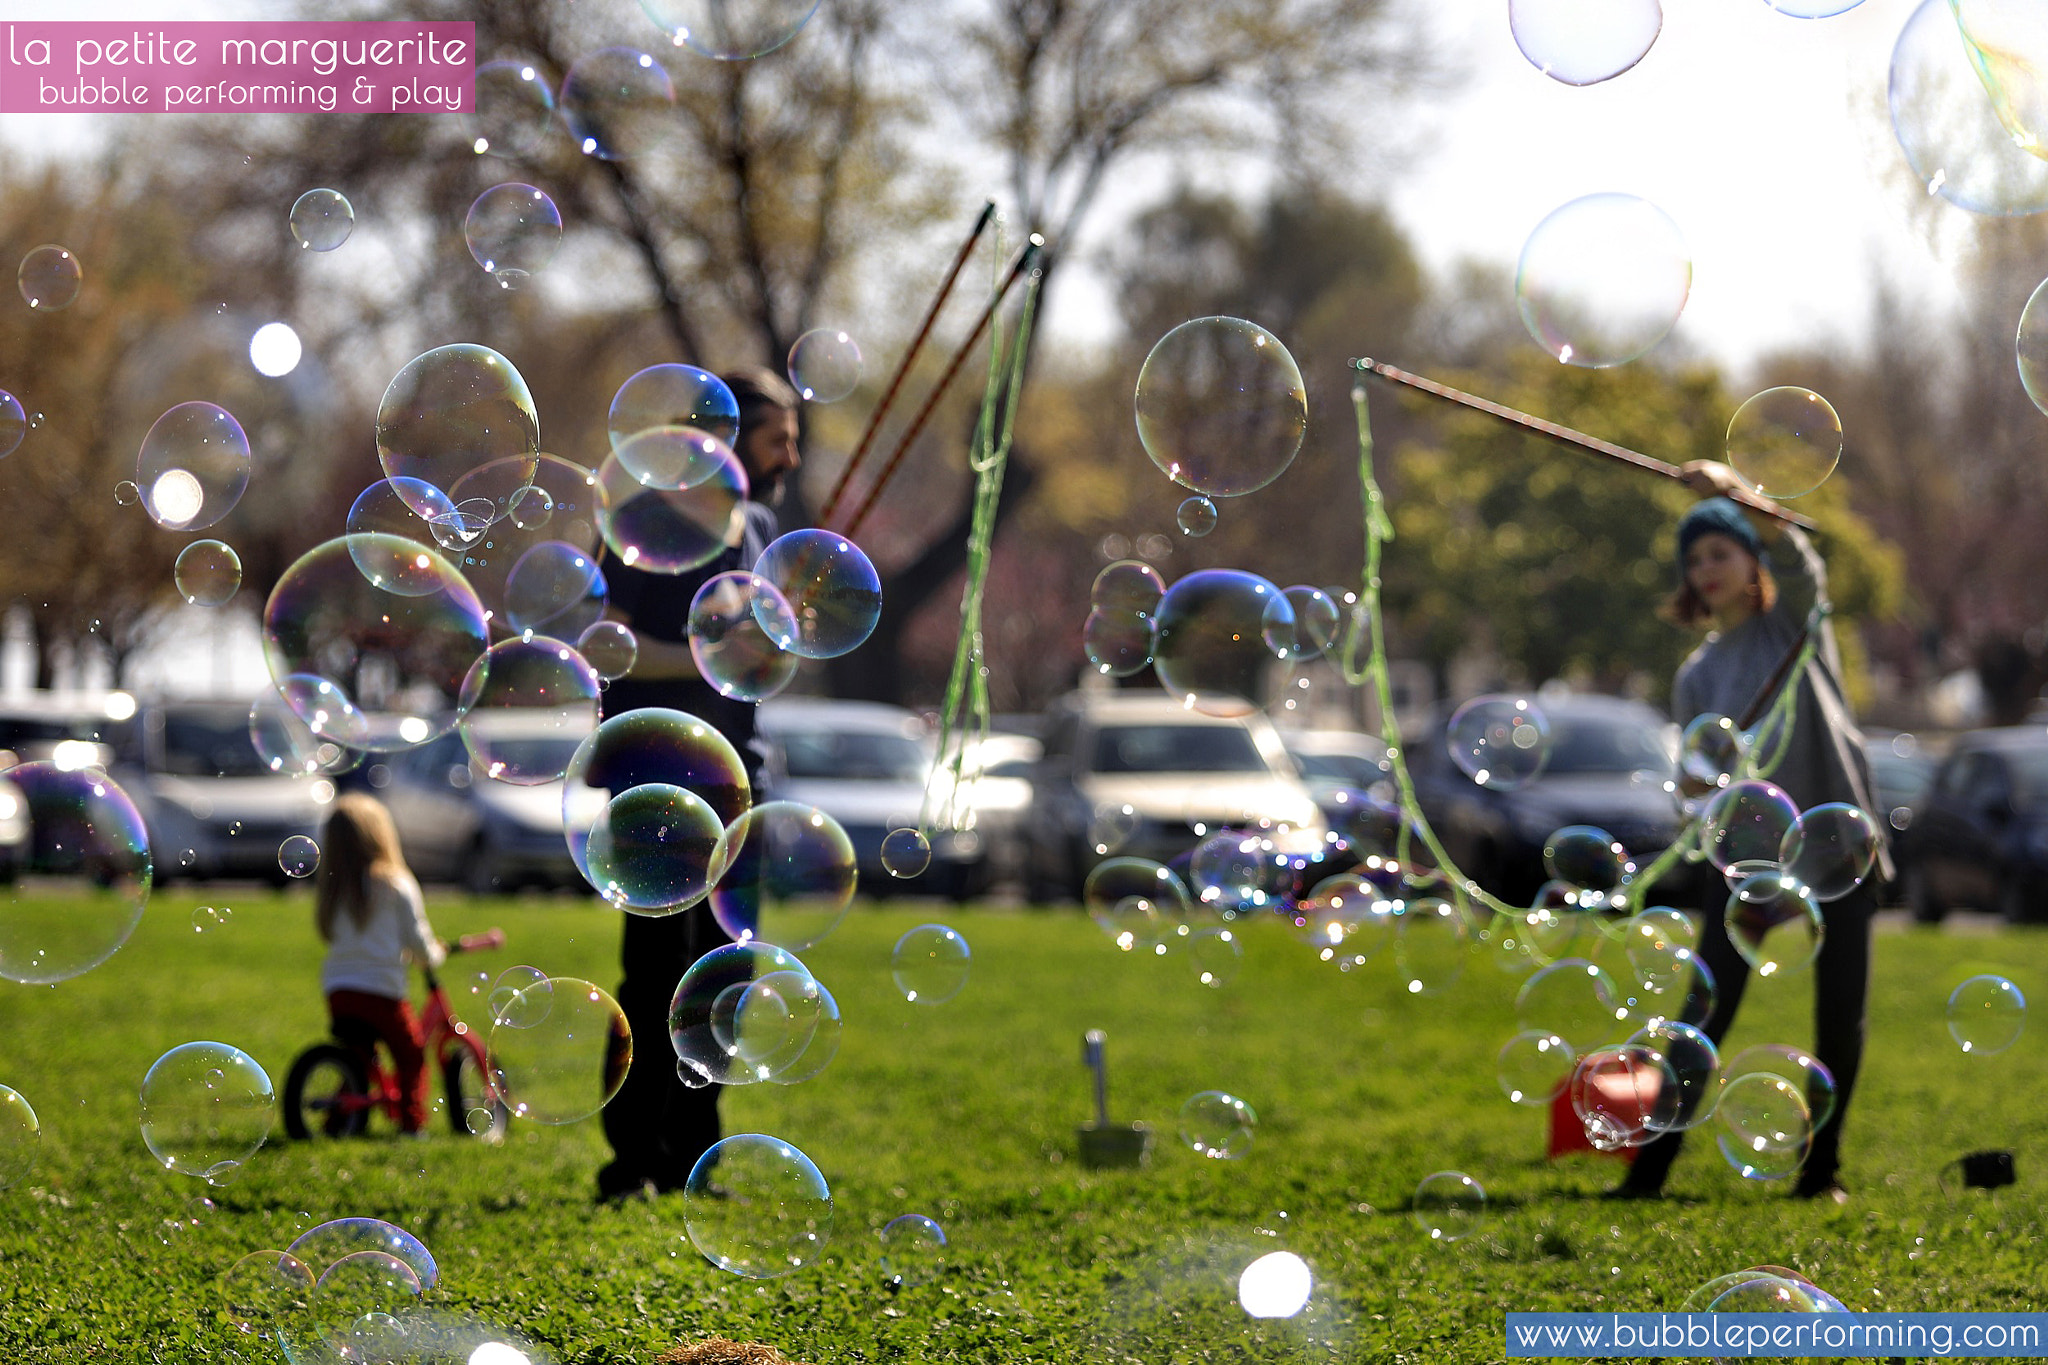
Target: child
x=368, y=910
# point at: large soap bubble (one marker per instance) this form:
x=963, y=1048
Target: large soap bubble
x=1949, y=126
x=1584, y=42
x=673, y=396
x=741, y=627
x=649, y=745
x=670, y=530
x=1221, y=407
x=192, y=467
x=515, y=110
x=789, y=876
x=655, y=850
x=618, y=103
x=563, y=1063
x=757, y=1206
x=1602, y=279
x=730, y=30
x=513, y=227
x=206, y=1108
x=527, y=704
x=828, y=586
x=82, y=875
x=451, y=410
x=1785, y=441
x=1220, y=632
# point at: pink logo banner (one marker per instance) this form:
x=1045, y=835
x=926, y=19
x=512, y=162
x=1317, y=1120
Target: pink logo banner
x=369, y=66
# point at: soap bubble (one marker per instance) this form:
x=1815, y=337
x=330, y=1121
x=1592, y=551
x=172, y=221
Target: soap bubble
x=208, y=573
x=1346, y=913
x=81, y=876
x=1799, y=1068
x=1763, y=1126
x=1127, y=585
x=527, y=704
x=1430, y=943
x=830, y=587
x=618, y=103
x=1316, y=620
x=673, y=457
x=913, y=1251
x=669, y=530
x=13, y=423
x=655, y=850
x=2031, y=346
x=1711, y=749
x=1217, y=1125
x=1276, y=1285
x=1533, y=1066
x=321, y=220
x=1133, y=899
x=49, y=278
x=402, y=507
x=1586, y=858
x=298, y=856
x=906, y=853
x=1949, y=127
x=513, y=227
x=265, y=1291
x=1220, y=631
x=1986, y=1014
x=1571, y=998
x=1746, y=822
x=1614, y=1092
x=1695, y=1066
x=740, y=628
x=610, y=648
x=1221, y=406
x=450, y=411
x=531, y=508
x=1603, y=279
x=206, y=1108
x=192, y=467
x=2007, y=42
x=1583, y=44
x=572, y=495
x=1785, y=441
x=20, y=1136
x=757, y=1206
x=1195, y=516
x=555, y=589
x=568, y=1064
x=1117, y=642
x=515, y=110
x=1830, y=849
x=457, y=530
x=1499, y=741
x=392, y=660
x=1774, y=923
x=789, y=876
x=1216, y=954
x=1237, y=871
x=750, y=1012
x=321, y=1247
x=824, y=365
x=649, y=745
x=1449, y=1206
x=354, y=1301
x=673, y=396
x=930, y=964
x=727, y=30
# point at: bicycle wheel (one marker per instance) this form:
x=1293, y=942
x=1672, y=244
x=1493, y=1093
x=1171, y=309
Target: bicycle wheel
x=326, y=1094
x=473, y=1111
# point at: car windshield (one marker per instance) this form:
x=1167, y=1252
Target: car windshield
x=1347, y=768
x=1177, y=749
x=1584, y=745
x=209, y=744
x=854, y=757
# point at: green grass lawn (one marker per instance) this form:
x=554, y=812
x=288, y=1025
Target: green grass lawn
x=966, y=1112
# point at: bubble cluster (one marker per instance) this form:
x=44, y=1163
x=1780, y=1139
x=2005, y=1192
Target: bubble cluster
x=322, y=219
x=1221, y=406
x=206, y=1108
x=1602, y=279
x=750, y=1012
x=757, y=1206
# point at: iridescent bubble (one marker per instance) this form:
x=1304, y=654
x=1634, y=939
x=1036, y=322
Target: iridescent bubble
x=673, y=396
x=20, y=1137
x=1603, y=279
x=1215, y=953
x=930, y=964
x=1449, y=1206
x=450, y=411
x=1581, y=43
x=205, y=1106
x=1117, y=642
x=730, y=30
x=824, y=365
x=1762, y=1126
x=1220, y=631
x=655, y=849
x=1695, y=1066
x=1430, y=944
x=13, y=423
x=1346, y=914
x=1586, y=858
x=1499, y=741
x=514, y=112
x=743, y=1014
x=913, y=1251
x=1796, y=1066
x=1986, y=1014
x=528, y=704
x=81, y=873
x=321, y=220
x=672, y=457
x=1217, y=1125
x=757, y=1206
x=513, y=227
x=610, y=648
x=1127, y=585
x=618, y=103
x=567, y=1065
x=49, y=279
x=265, y=1291
x=1131, y=898
x=298, y=856
x=1830, y=849
x=555, y=589
x=740, y=629
x=1238, y=871
x=829, y=585
x=192, y=467
x=521, y=997
x=1949, y=127
x=1316, y=620
x=1711, y=749
x=1614, y=1090
x=1774, y=923
x=531, y=508
x=398, y=659
x=1573, y=999
x=1785, y=441
x=1221, y=406
x=208, y=573
x=1195, y=516
x=285, y=744
x=321, y=1247
x=2008, y=44
x=399, y=507
x=1533, y=1066
x=669, y=530
x=357, y=1302
x=650, y=745
x=572, y=494
x=789, y=876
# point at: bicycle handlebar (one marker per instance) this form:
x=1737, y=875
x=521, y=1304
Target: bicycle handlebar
x=474, y=943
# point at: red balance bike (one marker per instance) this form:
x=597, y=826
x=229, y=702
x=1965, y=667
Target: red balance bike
x=327, y=1093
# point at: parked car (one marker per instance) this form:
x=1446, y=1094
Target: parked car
x=1160, y=777
x=1337, y=763
x=996, y=791
x=1900, y=771
x=458, y=825
x=867, y=766
x=1610, y=761
x=72, y=730
x=1980, y=837
x=212, y=807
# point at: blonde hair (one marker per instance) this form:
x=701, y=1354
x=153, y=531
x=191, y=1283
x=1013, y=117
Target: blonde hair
x=359, y=842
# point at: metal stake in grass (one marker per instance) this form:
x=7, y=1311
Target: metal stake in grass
x=1103, y=1144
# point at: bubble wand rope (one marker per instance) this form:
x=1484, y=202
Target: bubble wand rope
x=924, y=330
x=1028, y=261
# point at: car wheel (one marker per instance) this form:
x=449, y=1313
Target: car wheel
x=1920, y=899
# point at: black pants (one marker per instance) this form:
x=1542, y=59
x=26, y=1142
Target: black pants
x=1841, y=987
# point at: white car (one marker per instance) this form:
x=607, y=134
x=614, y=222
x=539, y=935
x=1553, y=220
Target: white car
x=213, y=808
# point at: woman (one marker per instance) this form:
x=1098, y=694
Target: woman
x=1757, y=611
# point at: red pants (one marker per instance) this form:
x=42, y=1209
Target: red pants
x=352, y=1012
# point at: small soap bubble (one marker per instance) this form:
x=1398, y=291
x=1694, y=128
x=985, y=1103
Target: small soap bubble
x=831, y=587
x=758, y=1207
x=618, y=103
x=528, y=702
x=1217, y=1125
x=655, y=850
x=1775, y=923
x=1449, y=1206
x=610, y=648
x=1586, y=858
x=1316, y=620
x=21, y=1135
x=1129, y=585
x=930, y=964
x=192, y=467
x=1830, y=849
x=1116, y=641
x=265, y=1291
x=321, y=220
x=1602, y=279
x=1986, y=1014
x=1614, y=1090
x=513, y=227
x=1533, y=1066
x=514, y=110
x=789, y=879
x=1710, y=750
x=1785, y=441
x=127, y=493
x=13, y=423
x=208, y=573
x=669, y=530
x=555, y=589
x=1216, y=954
x=1572, y=998
x=1804, y=1071
x=740, y=628
x=824, y=365
x=532, y=508
x=205, y=917
x=1695, y=1064
x=913, y=1251
x=1195, y=516
x=49, y=278
x=730, y=30
x=451, y=411
x=1221, y=407
x=204, y=1105
x=1763, y=1126
x=906, y=852
x=1499, y=741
